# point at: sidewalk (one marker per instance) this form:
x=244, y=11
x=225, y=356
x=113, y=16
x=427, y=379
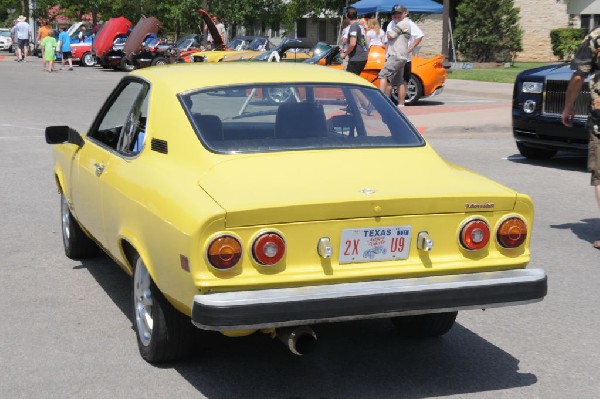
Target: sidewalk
x=500, y=91
x=488, y=112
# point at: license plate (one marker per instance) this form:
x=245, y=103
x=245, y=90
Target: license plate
x=374, y=244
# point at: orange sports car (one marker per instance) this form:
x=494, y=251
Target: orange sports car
x=427, y=76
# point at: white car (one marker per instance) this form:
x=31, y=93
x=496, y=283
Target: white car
x=5, y=40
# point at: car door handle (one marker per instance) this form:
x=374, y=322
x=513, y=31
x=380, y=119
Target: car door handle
x=99, y=168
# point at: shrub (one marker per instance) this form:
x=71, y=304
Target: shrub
x=566, y=41
x=488, y=31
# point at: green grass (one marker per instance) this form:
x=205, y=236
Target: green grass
x=498, y=74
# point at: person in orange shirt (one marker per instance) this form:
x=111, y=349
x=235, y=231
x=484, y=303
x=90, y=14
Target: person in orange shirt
x=43, y=31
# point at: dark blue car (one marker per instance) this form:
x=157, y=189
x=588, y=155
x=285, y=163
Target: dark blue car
x=538, y=102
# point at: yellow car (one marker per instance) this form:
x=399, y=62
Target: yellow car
x=234, y=213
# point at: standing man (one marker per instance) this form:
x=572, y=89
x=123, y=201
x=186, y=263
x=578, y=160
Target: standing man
x=587, y=63
x=64, y=45
x=357, y=51
x=392, y=73
x=22, y=32
x=416, y=36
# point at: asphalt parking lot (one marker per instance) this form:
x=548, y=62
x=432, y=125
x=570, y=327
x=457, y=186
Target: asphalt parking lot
x=66, y=325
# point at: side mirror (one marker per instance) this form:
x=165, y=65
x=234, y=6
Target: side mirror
x=62, y=134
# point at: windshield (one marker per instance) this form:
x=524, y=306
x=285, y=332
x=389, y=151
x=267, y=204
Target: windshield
x=257, y=44
x=5, y=33
x=237, y=44
x=285, y=117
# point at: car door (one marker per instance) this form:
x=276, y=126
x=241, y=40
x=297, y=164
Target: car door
x=93, y=160
x=123, y=198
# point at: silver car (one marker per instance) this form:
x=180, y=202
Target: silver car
x=5, y=39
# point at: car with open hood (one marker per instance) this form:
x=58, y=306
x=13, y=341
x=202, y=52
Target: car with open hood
x=88, y=52
x=538, y=102
x=234, y=214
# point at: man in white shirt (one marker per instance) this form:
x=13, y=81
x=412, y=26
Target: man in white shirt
x=392, y=73
x=416, y=36
x=22, y=32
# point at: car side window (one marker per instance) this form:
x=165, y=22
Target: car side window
x=119, y=114
x=133, y=134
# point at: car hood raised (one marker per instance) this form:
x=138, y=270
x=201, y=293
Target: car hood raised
x=143, y=28
x=323, y=185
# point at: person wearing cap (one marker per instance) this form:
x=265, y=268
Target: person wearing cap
x=416, y=36
x=357, y=51
x=392, y=73
x=22, y=32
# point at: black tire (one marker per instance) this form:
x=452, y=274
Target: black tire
x=88, y=60
x=414, y=91
x=76, y=243
x=159, y=61
x=163, y=333
x=534, y=152
x=425, y=325
x=126, y=66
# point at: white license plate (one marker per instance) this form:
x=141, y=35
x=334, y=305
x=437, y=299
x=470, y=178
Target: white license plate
x=373, y=244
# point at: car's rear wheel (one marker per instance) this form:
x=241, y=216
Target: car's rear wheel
x=414, y=91
x=425, y=325
x=76, y=243
x=126, y=65
x=535, y=152
x=159, y=61
x=163, y=333
x=88, y=60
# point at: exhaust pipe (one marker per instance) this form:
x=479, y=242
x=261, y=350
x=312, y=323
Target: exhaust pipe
x=299, y=340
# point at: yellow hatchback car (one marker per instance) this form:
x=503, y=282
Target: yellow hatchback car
x=237, y=213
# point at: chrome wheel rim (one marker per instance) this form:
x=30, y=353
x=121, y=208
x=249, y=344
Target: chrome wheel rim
x=411, y=92
x=143, y=302
x=88, y=60
x=66, y=221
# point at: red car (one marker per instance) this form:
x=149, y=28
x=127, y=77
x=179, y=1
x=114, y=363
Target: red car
x=86, y=53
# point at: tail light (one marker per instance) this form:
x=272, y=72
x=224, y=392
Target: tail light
x=475, y=234
x=438, y=65
x=224, y=252
x=268, y=249
x=512, y=232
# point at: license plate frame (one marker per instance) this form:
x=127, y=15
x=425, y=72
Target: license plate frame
x=375, y=244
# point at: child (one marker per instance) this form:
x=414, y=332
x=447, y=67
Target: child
x=48, y=45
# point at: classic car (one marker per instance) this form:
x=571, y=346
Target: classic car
x=145, y=48
x=5, y=39
x=538, y=102
x=120, y=57
x=88, y=52
x=237, y=215
x=239, y=47
x=427, y=77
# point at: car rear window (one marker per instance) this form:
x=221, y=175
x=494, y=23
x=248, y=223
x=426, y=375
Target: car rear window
x=286, y=117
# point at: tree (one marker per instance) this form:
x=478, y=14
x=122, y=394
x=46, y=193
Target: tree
x=488, y=30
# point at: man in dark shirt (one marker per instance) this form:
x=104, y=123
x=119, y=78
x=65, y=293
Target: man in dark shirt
x=357, y=51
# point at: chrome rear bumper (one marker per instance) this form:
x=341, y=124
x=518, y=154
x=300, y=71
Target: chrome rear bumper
x=364, y=300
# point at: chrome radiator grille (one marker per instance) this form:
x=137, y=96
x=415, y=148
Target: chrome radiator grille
x=554, y=98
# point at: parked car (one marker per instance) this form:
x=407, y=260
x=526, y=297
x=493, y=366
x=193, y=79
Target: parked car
x=538, y=102
x=234, y=214
x=116, y=58
x=87, y=53
x=159, y=52
x=240, y=47
x=5, y=39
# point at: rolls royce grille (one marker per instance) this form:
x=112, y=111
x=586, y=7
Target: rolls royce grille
x=554, y=98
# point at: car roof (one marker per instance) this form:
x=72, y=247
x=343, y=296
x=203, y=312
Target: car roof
x=179, y=78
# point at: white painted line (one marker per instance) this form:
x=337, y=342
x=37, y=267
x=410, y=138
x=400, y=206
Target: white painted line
x=22, y=127
x=21, y=137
